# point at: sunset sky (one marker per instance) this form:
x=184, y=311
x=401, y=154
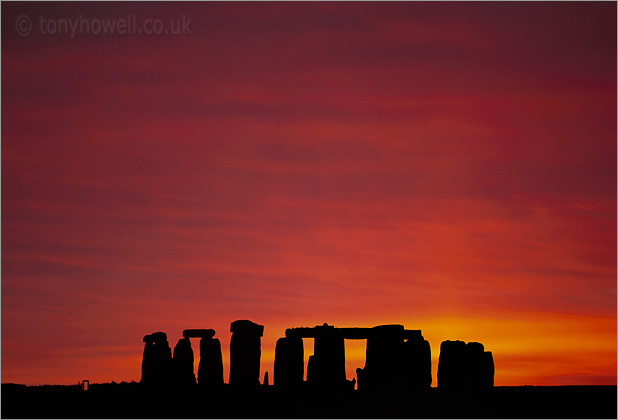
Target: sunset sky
x=446, y=166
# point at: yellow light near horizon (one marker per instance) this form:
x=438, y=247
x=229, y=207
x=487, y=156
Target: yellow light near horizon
x=531, y=350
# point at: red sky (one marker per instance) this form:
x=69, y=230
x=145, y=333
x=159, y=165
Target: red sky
x=446, y=166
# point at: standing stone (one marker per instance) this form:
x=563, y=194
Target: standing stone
x=474, y=374
x=148, y=369
x=417, y=362
x=465, y=366
x=210, y=370
x=452, y=365
x=289, y=362
x=384, y=364
x=183, y=363
x=157, y=360
x=245, y=353
x=326, y=367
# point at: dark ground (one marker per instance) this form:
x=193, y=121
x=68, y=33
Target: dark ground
x=129, y=400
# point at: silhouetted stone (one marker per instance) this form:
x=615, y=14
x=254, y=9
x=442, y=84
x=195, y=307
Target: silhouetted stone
x=451, y=365
x=391, y=361
x=417, y=363
x=183, y=364
x=383, y=366
x=464, y=366
x=198, y=333
x=326, y=368
x=474, y=365
x=245, y=353
x=157, y=360
x=311, y=369
x=210, y=370
x=394, y=363
x=488, y=369
x=289, y=363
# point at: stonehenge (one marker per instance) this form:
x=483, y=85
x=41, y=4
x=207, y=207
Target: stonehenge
x=396, y=358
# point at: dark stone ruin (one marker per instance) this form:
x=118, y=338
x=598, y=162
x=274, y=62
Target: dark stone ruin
x=417, y=361
x=396, y=358
x=157, y=360
x=464, y=366
x=160, y=370
x=210, y=368
x=326, y=368
x=245, y=354
x=383, y=364
x=183, y=364
x=289, y=362
x=210, y=372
